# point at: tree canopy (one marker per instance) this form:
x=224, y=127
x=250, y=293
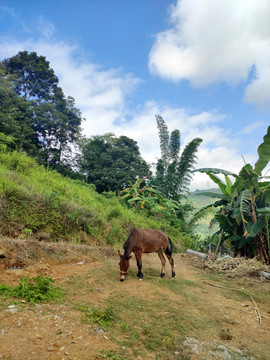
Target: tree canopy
x=111, y=163
x=174, y=170
x=41, y=119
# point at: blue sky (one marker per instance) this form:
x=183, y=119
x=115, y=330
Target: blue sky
x=202, y=65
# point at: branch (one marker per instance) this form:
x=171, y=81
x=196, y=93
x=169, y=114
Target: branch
x=243, y=292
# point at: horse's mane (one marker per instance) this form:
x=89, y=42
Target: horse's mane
x=126, y=245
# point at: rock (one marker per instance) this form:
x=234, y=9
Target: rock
x=2, y=254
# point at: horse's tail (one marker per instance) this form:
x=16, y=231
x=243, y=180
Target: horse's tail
x=170, y=248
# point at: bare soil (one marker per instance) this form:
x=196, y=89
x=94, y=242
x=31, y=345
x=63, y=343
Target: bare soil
x=56, y=330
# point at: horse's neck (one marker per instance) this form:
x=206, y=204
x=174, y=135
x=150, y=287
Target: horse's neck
x=127, y=252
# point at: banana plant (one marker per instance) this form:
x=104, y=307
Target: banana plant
x=244, y=205
x=148, y=198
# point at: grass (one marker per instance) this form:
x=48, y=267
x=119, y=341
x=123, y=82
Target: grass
x=36, y=200
x=102, y=317
x=138, y=324
x=37, y=289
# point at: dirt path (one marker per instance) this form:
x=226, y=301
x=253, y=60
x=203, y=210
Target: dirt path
x=227, y=320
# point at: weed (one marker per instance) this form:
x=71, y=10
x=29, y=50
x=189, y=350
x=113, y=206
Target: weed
x=26, y=233
x=110, y=355
x=37, y=289
x=103, y=318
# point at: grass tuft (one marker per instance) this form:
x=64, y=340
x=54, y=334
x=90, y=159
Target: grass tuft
x=37, y=289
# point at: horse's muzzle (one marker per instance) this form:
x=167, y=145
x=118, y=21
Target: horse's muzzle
x=122, y=277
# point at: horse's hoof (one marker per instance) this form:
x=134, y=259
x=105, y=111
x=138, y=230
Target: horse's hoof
x=173, y=278
x=140, y=279
x=162, y=275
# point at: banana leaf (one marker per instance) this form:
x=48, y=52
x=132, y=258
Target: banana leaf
x=215, y=171
x=224, y=222
x=254, y=228
x=264, y=153
x=134, y=199
x=218, y=181
x=265, y=210
x=243, y=242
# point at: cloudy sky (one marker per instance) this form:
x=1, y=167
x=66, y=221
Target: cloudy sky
x=203, y=65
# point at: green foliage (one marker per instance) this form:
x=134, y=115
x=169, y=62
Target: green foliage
x=36, y=201
x=37, y=289
x=149, y=199
x=5, y=142
x=173, y=172
x=110, y=355
x=244, y=214
x=42, y=121
x=264, y=153
x=110, y=163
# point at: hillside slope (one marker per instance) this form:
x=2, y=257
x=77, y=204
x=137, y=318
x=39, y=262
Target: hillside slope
x=42, y=204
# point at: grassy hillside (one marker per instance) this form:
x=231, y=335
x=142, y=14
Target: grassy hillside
x=42, y=204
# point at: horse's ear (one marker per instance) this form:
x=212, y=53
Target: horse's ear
x=120, y=255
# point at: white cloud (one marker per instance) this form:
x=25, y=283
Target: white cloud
x=213, y=152
x=100, y=94
x=215, y=41
x=249, y=129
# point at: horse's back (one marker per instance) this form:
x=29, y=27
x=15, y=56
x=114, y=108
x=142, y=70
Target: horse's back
x=150, y=240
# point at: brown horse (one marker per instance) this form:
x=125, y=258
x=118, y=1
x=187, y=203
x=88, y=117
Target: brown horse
x=146, y=241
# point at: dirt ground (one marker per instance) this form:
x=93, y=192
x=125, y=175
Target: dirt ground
x=56, y=331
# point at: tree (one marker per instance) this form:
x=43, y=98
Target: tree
x=35, y=78
x=174, y=171
x=53, y=119
x=111, y=163
x=15, y=116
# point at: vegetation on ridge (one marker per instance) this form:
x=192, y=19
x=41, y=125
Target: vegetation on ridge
x=43, y=203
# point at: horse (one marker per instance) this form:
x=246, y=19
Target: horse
x=146, y=241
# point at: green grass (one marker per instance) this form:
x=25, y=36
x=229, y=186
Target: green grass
x=102, y=317
x=35, y=200
x=37, y=289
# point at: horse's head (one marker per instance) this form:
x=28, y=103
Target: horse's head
x=124, y=265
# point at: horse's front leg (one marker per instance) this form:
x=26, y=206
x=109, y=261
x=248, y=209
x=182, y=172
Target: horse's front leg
x=139, y=264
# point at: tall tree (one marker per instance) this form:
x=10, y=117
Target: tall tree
x=15, y=116
x=111, y=163
x=54, y=118
x=173, y=171
x=35, y=78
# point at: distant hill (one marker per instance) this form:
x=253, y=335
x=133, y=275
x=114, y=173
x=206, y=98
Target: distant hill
x=200, y=199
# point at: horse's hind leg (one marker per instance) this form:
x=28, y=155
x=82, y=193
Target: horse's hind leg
x=163, y=262
x=138, y=256
x=171, y=261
